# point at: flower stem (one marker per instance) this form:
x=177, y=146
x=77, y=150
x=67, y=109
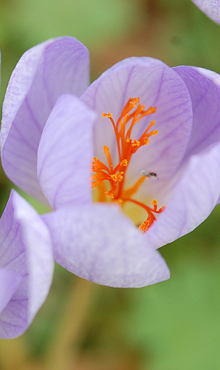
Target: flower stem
x=64, y=348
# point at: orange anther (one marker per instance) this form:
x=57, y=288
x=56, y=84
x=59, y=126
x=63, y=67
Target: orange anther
x=136, y=143
x=124, y=163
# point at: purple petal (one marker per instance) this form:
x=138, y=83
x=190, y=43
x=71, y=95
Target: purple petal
x=43, y=73
x=100, y=244
x=193, y=199
x=157, y=85
x=210, y=7
x=25, y=249
x=204, y=89
x=215, y=77
x=65, y=153
x=9, y=282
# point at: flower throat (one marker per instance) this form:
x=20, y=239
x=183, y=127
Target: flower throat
x=126, y=149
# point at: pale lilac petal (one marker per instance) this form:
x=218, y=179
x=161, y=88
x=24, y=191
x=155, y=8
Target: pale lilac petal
x=204, y=89
x=210, y=7
x=193, y=199
x=215, y=77
x=9, y=282
x=25, y=249
x=98, y=243
x=43, y=73
x=65, y=153
x=157, y=85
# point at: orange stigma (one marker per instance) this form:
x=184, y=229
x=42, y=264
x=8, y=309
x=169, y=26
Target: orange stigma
x=132, y=113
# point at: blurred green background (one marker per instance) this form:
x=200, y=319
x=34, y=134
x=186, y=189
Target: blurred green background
x=173, y=325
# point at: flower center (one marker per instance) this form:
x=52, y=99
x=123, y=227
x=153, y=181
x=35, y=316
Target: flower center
x=132, y=113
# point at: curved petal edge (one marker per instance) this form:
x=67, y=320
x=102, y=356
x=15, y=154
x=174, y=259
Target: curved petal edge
x=100, y=244
x=25, y=252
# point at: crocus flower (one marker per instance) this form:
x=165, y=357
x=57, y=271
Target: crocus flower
x=26, y=266
x=210, y=7
x=144, y=136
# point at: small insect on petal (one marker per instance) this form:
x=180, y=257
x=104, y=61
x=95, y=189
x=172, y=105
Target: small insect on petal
x=148, y=174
